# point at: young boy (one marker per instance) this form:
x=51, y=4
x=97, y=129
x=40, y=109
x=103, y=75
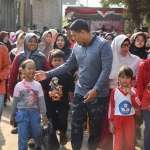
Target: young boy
x=123, y=102
x=59, y=92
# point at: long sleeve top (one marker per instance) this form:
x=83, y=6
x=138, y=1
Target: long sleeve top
x=22, y=99
x=122, y=104
x=4, y=67
x=94, y=62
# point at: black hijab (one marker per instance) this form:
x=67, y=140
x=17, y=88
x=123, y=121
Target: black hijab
x=141, y=52
x=67, y=43
x=2, y=36
x=66, y=49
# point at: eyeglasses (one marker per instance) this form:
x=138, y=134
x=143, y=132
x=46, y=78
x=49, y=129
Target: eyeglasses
x=109, y=39
x=139, y=40
x=125, y=45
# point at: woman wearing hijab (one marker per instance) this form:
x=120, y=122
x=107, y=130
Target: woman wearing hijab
x=30, y=52
x=54, y=35
x=109, y=37
x=4, y=38
x=63, y=44
x=46, y=44
x=19, y=48
x=12, y=36
x=121, y=57
x=138, y=47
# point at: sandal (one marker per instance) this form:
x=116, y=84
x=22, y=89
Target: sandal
x=63, y=139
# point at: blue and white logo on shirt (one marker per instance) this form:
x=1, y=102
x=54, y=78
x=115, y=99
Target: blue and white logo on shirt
x=125, y=107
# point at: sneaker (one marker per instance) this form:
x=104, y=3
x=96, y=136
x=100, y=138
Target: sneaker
x=63, y=139
x=14, y=131
x=31, y=143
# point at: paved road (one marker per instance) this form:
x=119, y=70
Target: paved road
x=8, y=141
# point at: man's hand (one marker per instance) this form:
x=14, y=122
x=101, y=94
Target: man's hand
x=40, y=75
x=111, y=127
x=44, y=118
x=90, y=96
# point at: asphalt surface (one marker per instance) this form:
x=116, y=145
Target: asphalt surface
x=9, y=141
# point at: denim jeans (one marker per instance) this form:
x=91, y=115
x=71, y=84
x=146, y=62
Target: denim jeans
x=27, y=121
x=1, y=104
x=95, y=110
x=146, y=116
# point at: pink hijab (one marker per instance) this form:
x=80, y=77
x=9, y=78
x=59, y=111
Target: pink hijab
x=12, y=35
x=19, y=48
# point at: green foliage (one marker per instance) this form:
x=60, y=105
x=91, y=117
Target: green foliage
x=130, y=26
x=64, y=21
x=106, y=3
x=134, y=9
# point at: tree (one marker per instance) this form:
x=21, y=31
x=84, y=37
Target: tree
x=106, y=3
x=134, y=9
x=130, y=26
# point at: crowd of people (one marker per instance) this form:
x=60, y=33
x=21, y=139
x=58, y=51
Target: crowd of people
x=104, y=78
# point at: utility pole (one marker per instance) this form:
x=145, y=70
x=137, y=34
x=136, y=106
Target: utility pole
x=87, y=3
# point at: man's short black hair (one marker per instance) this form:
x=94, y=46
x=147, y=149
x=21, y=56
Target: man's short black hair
x=57, y=53
x=79, y=25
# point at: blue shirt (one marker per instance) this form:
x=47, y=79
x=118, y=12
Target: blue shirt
x=94, y=62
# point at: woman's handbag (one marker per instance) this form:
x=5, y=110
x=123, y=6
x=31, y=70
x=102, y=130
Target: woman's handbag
x=48, y=136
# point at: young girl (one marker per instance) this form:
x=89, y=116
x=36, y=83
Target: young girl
x=121, y=57
x=30, y=51
x=123, y=102
x=28, y=99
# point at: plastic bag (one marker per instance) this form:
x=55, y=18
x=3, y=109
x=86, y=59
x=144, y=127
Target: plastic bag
x=48, y=136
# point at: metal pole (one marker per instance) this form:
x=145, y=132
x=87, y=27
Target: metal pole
x=87, y=3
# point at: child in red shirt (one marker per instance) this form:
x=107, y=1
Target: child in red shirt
x=143, y=88
x=124, y=100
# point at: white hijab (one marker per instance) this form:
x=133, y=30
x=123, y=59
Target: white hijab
x=18, y=48
x=129, y=60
